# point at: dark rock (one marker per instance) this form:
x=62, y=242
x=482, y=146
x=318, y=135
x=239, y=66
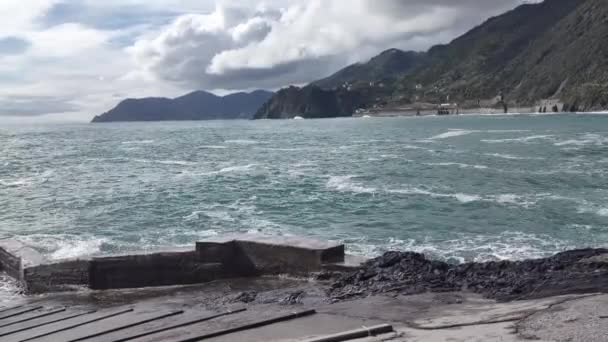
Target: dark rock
x=245, y=297
x=293, y=298
x=411, y=273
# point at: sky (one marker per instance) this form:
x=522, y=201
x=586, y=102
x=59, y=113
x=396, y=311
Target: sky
x=73, y=59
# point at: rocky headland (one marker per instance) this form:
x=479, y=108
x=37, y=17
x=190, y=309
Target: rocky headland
x=198, y=105
x=539, y=57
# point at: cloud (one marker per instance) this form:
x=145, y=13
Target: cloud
x=13, y=45
x=105, y=17
x=34, y=105
x=236, y=47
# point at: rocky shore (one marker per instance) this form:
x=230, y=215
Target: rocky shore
x=407, y=273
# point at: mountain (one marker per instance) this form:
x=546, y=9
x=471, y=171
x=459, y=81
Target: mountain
x=382, y=67
x=549, y=52
x=312, y=102
x=198, y=105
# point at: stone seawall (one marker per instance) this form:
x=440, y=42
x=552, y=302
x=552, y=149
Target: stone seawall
x=226, y=257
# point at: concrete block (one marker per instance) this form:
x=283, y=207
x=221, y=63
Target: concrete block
x=146, y=270
x=59, y=276
x=15, y=256
x=259, y=254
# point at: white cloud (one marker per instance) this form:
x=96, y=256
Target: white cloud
x=235, y=47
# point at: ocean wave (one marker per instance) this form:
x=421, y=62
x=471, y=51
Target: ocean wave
x=346, y=184
x=518, y=140
x=237, y=168
x=11, y=291
x=40, y=178
x=64, y=246
x=525, y=200
x=456, y=132
x=175, y=162
x=511, y=157
x=225, y=170
x=467, y=248
x=590, y=208
x=460, y=165
x=452, y=134
x=241, y=142
x=165, y=162
x=138, y=142
x=460, y=197
x=214, y=147
x=585, y=140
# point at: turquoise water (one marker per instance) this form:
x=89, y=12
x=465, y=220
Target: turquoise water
x=458, y=188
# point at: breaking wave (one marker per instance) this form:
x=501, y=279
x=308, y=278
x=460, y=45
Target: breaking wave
x=65, y=246
x=346, y=184
x=452, y=134
x=468, y=248
x=519, y=140
x=460, y=165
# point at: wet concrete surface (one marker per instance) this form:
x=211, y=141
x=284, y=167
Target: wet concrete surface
x=428, y=317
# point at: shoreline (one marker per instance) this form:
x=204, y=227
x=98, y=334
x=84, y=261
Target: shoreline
x=241, y=307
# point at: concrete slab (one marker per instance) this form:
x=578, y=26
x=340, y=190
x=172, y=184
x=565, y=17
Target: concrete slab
x=68, y=324
x=185, y=320
x=38, y=322
x=91, y=331
x=500, y=332
x=299, y=329
x=205, y=329
x=18, y=312
x=29, y=316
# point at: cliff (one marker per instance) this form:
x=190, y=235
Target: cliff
x=550, y=50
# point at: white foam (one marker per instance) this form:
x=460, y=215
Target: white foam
x=175, y=162
x=512, y=157
x=452, y=134
x=602, y=212
x=214, y=147
x=40, y=178
x=15, y=183
x=346, y=184
x=237, y=168
x=74, y=249
x=480, y=248
x=138, y=142
x=11, y=291
x=585, y=140
x=64, y=246
x=461, y=197
x=225, y=170
x=525, y=200
x=241, y=142
x=460, y=165
x=466, y=198
x=518, y=140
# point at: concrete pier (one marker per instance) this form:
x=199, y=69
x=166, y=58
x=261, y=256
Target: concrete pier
x=232, y=256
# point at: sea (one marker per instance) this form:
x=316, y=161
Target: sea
x=457, y=188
